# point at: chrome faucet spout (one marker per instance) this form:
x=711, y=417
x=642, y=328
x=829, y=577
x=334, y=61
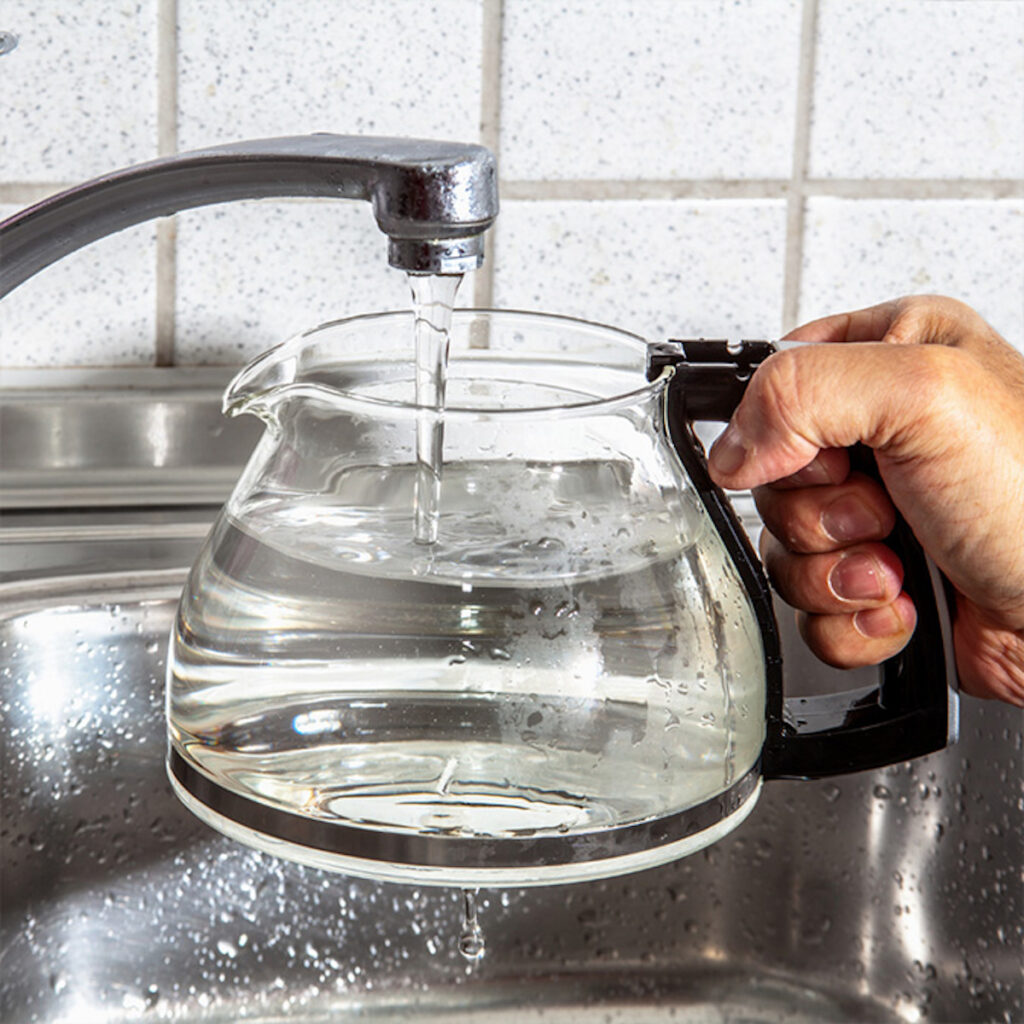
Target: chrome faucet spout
x=434, y=200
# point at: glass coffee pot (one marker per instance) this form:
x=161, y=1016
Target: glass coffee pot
x=551, y=657
x=516, y=640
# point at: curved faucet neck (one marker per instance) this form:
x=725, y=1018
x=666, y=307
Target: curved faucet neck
x=433, y=200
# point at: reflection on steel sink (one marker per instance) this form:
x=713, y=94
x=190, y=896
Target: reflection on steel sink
x=891, y=895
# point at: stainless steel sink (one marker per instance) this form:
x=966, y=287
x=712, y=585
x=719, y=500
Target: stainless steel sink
x=886, y=896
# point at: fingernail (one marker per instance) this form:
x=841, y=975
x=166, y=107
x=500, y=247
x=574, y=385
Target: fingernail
x=857, y=577
x=728, y=453
x=849, y=518
x=878, y=623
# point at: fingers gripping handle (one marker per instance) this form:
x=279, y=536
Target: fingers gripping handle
x=913, y=709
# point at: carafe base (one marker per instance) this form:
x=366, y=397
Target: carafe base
x=460, y=861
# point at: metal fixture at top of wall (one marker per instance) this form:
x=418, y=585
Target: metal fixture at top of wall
x=434, y=200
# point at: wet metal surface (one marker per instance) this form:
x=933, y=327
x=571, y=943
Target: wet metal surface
x=887, y=896
x=891, y=895
x=124, y=438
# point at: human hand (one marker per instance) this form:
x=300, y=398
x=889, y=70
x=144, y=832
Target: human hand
x=939, y=396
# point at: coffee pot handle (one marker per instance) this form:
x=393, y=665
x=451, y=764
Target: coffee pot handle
x=913, y=710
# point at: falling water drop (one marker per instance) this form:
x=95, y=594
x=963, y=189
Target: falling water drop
x=471, y=938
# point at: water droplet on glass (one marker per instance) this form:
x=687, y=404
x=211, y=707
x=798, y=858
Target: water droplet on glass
x=882, y=792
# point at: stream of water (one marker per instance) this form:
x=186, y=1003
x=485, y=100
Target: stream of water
x=433, y=298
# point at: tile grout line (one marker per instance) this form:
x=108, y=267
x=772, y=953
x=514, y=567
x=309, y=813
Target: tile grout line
x=915, y=188
x=587, y=189
x=167, y=144
x=637, y=189
x=490, y=129
x=796, y=198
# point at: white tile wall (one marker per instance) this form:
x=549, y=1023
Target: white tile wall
x=78, y=95
x=663, y=89
x=860, y=252
x=658, y=268
x=919, y=90
x=310, y=261
x=252, y=68
x=673, y=166
x=96, y=307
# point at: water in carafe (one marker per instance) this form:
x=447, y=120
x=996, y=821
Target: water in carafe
x=545, y=682
x=554, y=645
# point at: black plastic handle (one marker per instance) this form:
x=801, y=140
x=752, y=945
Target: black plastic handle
x=913, y=709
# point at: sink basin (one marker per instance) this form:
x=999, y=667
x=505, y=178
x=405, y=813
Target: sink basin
x=885, y=896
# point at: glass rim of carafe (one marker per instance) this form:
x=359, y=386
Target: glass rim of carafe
x=347, y=400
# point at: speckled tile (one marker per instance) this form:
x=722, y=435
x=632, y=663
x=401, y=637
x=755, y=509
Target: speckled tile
x=253, y=69
x=79, y=92
x=661, y=89
x=658, y=268
x=860, y=252
x=96, y=307
x=252, y=274
x=919, y=89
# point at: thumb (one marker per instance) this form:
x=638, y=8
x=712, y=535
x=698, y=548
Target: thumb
x=807, y=399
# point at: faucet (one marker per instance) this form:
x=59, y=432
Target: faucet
x=434, y=200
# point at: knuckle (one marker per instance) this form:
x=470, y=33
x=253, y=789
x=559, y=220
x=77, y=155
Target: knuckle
x=938, y=369
x=934, y=382
x=777, y=385
x=928, y=319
